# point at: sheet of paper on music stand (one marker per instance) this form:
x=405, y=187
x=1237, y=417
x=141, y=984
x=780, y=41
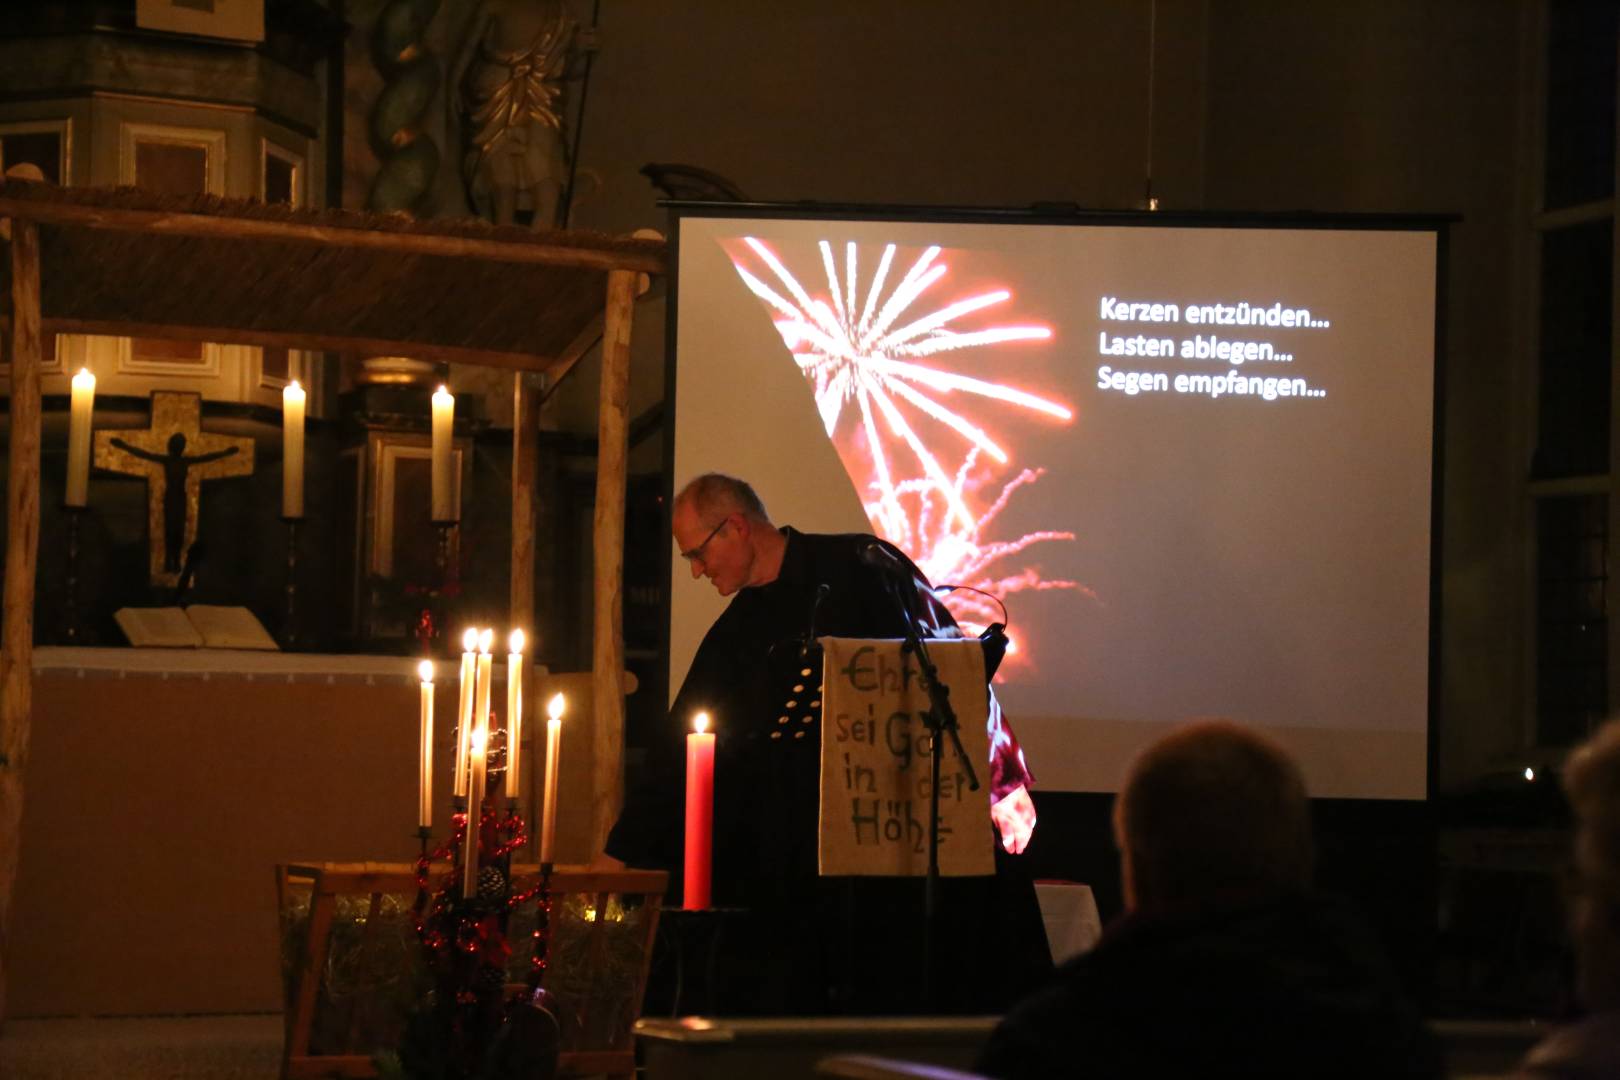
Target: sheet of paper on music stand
x=1069, y=912
x=875, y=767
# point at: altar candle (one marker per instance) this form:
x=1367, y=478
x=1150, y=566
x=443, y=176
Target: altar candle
x=548, y=801
x=514, y=713
x=699, y=812
x=486, y=671
x=78, y=469
x=292, y=450
x=464, y=708
x=424, y=801
x=478, y=748
x=444, y=415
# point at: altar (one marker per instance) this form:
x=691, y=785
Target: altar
x=167, y=784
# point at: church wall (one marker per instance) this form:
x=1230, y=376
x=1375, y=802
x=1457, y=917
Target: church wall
x=1384, y=105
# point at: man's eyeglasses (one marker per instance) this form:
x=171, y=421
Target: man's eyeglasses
x=692, y=555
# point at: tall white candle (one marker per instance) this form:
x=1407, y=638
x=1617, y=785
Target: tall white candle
x=478, y=751
x=78, y=469
x=464, y=708
x=486, y=671
x=548, y=801
x=444, y=416
x=292, y=450
x=514, y=715
x=478, y=760
x=424, y=801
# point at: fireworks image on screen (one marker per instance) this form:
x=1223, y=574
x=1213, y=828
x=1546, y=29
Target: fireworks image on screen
x=972, y=560
x=883, y=357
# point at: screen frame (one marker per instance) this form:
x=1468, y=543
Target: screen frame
x=1071, y=215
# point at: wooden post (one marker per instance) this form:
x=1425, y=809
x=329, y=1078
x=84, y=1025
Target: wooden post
x=607, y=655
x=22, y=548
x=525, y=470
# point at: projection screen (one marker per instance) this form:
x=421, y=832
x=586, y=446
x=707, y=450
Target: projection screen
x=1193, y=458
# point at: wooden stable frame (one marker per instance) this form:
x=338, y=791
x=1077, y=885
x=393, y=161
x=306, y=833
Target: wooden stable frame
x=67, y=253
x=332, y=880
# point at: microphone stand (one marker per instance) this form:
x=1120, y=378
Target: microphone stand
x=939, y=719
x=815, y=610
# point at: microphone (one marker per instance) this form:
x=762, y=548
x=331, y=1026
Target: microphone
x=994, y=643
x=880, y=557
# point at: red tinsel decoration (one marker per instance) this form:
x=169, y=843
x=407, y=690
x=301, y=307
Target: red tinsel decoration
x=464, y=939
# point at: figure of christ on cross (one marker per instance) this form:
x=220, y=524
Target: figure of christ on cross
x=173, y=477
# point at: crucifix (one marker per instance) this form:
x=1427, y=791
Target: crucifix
x=175, y=456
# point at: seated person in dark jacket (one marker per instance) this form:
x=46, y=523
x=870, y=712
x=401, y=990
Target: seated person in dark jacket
x=1224, y=964
x=1591, y=1047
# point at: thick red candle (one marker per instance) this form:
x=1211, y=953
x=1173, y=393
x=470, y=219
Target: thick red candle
x=699, y=812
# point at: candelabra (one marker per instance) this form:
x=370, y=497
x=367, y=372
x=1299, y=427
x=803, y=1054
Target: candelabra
x=441, y=551
x=427, y=628
x=463, y=918
x=464, y=939
x=289, y=625
x=72, y=632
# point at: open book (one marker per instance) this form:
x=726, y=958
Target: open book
x=200, y=626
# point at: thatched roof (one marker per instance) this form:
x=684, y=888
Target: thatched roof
x=127, y=262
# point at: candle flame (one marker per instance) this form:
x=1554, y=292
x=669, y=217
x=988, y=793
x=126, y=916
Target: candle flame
x=443, y=394
x=425, y=670
x=486, y=640
x=84, y=379
x=700, y=723
x=554, y=708
x=515, y=642
x=469, y=640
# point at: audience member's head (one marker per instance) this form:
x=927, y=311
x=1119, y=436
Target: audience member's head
x=1211, y=812
x=1592, y=781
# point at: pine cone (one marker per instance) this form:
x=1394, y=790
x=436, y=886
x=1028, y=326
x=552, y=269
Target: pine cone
x=491, y=883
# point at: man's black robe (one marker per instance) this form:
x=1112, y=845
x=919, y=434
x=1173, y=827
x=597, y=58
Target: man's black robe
x=811, y=945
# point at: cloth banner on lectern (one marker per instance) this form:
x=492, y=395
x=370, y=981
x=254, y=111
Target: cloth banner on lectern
x=876, y=771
